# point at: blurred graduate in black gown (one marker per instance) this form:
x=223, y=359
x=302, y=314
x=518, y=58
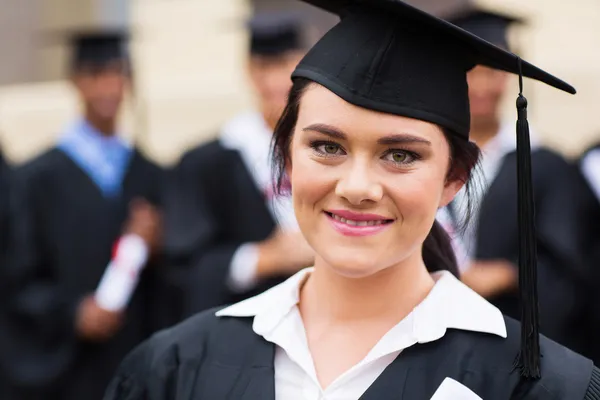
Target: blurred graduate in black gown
x=83, y=284
x=4, y=198
x=563, y=207
x=590, y=168
x=4, y=237
x=223, y=222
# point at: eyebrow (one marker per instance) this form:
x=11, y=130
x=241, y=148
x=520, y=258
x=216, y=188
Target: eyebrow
x=328, y=130
x=336, y=133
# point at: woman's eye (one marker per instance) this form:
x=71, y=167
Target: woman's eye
x=330, y=148
x=401, y=157
x=327, y=149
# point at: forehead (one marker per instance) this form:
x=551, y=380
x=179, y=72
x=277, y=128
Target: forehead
x=91, y=69
x=276, y=59
x=319, y=105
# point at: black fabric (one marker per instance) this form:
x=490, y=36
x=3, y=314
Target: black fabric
x=391, y=57
x=62, y=235
x=275, y=33
x=593, y=392
x=5, y=172
x=566, y=216
x=222, y=358
x=213, y=206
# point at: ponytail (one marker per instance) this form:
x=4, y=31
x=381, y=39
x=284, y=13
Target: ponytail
x=438, y=253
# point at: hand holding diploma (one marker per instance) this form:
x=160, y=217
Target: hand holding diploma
x=132, y=251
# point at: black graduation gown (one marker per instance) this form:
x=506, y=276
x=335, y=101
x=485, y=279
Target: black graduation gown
x=222, y=358
x=213, y=206
x=566, y=216
x=4, y=237
x=4, y=211
x=62, y=238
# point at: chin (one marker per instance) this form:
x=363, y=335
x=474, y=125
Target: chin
x=354, y=264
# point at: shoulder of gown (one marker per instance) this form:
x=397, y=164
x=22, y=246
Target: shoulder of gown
x=165, y=366
x=565, y=374
x=204, y=155
x=41, y=162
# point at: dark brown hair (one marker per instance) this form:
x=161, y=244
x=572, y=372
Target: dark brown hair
x=438, y=253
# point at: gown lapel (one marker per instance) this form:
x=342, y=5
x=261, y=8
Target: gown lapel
x=256, y=380
x=415, y=374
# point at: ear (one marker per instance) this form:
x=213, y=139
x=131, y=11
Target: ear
x=450, y=190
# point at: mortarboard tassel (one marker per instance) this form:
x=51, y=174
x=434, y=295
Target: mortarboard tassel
x=528, y=360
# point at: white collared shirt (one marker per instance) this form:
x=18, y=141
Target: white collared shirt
x=450, y=304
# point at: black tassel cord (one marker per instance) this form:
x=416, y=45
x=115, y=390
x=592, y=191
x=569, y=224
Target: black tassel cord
x=528, y=360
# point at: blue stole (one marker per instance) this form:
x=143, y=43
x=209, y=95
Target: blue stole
x=103, y=158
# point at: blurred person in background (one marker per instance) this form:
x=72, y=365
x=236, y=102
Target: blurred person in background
x=223, y=221
x=590, y=167
x=563, y=207
x=4, y=211
x=4, y=235
x=72, y=208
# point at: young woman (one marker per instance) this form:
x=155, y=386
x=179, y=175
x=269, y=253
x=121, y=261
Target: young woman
x=374, y=140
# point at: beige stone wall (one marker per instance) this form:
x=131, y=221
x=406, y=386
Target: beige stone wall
x=18, y=40
x=189, y=57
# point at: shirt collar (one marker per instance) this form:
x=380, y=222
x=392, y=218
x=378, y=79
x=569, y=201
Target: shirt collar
x=270, y=307
x=449, y=305
x=82, y=129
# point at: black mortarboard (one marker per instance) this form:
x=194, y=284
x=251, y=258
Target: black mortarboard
x=274, y=33
x=490, y=26
x=388, y=56
x=97, y=49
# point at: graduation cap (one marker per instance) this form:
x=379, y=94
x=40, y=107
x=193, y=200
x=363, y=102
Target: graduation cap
x=388, y=56
x=274, y=33
x=98, y=48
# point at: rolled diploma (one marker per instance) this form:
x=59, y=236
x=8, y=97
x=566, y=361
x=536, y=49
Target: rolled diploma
x=122, y=273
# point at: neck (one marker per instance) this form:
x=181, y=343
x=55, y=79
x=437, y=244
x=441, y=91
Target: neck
x=107, y=127
x=390, y=294
x=485, y=130
x=270, y=121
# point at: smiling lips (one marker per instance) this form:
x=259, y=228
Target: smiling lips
x=349, y=223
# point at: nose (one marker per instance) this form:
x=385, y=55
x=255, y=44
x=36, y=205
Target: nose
x=110, y=84
x=358, y=186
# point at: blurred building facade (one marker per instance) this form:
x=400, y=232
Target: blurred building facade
x=189, y=59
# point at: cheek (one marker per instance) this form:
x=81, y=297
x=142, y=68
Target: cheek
x=417, y=195
x=311, y=184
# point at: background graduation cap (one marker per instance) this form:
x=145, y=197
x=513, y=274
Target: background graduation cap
x=471, y=15
x=273, y=33
x=388, y=56
x=488, y=25
x=98, y=48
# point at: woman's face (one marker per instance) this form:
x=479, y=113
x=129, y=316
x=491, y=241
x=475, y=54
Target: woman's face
x=366, y=185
